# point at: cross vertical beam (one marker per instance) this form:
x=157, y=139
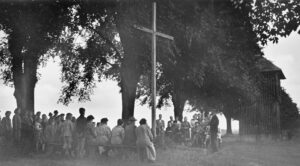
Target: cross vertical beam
x=154, y=33
x=154, y=70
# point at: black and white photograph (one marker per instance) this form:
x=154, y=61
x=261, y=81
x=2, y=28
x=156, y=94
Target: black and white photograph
x=149, y=82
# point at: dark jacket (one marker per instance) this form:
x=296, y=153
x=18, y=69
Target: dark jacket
x=214, y=124
x=81, y=124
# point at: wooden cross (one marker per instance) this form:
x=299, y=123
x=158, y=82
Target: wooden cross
x=153, y=87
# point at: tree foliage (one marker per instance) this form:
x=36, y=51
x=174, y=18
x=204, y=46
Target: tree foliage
x=211, y=60
x=272, y=19
x=32, y=28
x=214, y=53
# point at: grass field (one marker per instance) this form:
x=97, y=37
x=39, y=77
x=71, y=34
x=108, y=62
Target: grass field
x=233, y=153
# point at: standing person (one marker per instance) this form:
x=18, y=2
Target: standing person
x=62, y=117
x=50, y=116
x=44, y=123
x=130, y=136
x=194, y=120
x=177, y=130
x=17, y=126
x=193, y=125
x=91, y=137
x=73, y=119
x=50, y=135
x=171, y=120
x=186, y=129
x=196, y=134
x=80, y=128
x=144, y=143
x=67, y=131
x=160, y=130
x=55, y=114
x=214, y=124
x=178, y=122
x=118, y=133
x=169, y=132
x=37, y=117
x=27, y=131
x=58, y=137
x=38, y=133
x=103, y=135
x=6, y=126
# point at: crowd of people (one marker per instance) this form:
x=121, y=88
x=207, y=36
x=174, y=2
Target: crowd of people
x=76, y=137
x=201, y=131
x=80, y=137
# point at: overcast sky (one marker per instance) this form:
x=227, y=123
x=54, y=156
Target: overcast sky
x=106, y=101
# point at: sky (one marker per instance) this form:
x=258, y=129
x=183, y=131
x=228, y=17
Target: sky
x=285, y=55
x=106, y=100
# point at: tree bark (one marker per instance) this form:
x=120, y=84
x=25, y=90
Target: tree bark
x=24, y=70
x=178, y=100
x=29, y=81
x=15, y=47
x=228, y=123
x=131, y=62
x=129, y=80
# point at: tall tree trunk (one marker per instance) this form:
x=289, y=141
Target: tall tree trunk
x=15, y=47
x=130, y=65
x=29, y=81
x=129, y=79
x=24, y=70
x=228, y=123
x=178, y=100
x=130, y=73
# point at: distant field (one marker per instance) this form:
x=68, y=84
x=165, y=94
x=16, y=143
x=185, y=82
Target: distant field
x=233, y=153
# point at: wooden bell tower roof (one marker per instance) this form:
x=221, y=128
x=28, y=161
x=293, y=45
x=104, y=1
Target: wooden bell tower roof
x=266, y=66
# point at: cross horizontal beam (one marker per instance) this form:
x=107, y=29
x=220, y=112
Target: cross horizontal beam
x=151, y=32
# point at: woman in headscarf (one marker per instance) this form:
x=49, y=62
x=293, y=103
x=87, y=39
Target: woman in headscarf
x=144, y=143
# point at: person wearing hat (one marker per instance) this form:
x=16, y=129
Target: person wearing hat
x=144, y=143
x=130, y=136
x=103, y=135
